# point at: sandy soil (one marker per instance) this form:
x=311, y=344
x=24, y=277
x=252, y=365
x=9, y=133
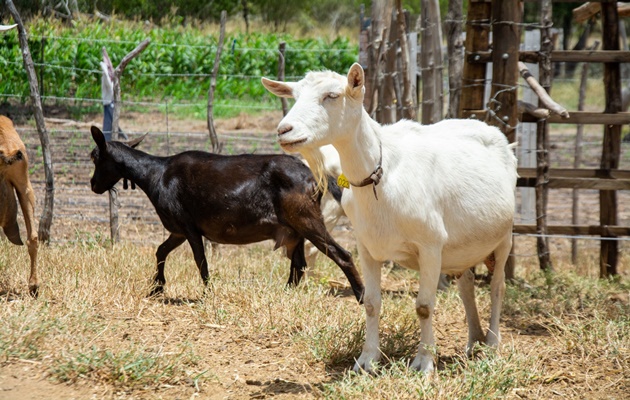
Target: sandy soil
x=275, y=371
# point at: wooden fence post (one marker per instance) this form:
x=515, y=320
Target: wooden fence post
x=453, y=25
x=542, y=140
x=46, y=219
x=502, y=106
x=474, y=75
x=117, y=74
x=431, y=62
x=611, y=148
x=577, y=160
x=216, y=146
x=408, y=105
x=381, y=18
x=281, y=49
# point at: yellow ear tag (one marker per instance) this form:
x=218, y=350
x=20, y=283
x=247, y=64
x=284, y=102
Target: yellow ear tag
x=342, y=181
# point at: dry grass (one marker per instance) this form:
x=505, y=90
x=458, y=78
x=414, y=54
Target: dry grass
x=92, y=331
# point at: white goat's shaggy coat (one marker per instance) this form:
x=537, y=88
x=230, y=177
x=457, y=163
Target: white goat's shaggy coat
x=445, y=200
x=14, y=181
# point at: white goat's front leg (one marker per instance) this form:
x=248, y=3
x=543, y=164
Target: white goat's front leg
x=466, y=286
x=430, y=263
x=371, y=269
x=497, y=290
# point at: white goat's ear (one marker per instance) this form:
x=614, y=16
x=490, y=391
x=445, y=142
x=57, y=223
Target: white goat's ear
x=98, y=137
x=356, y=80
x=280, y=89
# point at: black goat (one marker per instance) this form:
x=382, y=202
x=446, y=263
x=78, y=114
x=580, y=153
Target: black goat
x=228, y=199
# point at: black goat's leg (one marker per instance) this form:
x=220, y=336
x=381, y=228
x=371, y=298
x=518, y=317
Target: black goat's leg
x=172, y=242
x=343, y=259
x=199, y=252
x=309, y=224
x=298, y=263
x=315, y=231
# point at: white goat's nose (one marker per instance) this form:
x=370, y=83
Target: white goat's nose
x=284, y=128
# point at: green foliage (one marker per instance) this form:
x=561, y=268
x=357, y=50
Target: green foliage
x=71, y=58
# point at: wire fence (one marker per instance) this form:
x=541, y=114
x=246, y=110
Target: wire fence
x=81, y=215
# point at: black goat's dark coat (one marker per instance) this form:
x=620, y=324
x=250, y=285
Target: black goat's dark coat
x=227, y=199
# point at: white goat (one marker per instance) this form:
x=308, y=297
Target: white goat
x=436, y=198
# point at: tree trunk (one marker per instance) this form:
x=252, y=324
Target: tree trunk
x=46, y=219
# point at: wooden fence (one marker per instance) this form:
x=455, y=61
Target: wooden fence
x=380, y=54
x=503, y=18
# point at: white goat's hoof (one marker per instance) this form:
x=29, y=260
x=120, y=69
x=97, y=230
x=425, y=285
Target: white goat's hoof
x=423, y=363
x=492, y=339
x=366, y=363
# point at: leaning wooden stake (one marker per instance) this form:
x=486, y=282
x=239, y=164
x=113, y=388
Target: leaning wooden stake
x=115, y=75
x=216, y=146
x=46, y=219
x=540, y=91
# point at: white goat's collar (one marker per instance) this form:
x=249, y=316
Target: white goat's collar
x=373, y=179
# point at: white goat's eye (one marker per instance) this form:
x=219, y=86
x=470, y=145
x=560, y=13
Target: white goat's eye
x=331, y=96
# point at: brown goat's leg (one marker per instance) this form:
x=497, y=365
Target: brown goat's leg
x=343, y=259
x=172, y=242
x=319, y=236
x=298, y=263
x=26, y=198
x=309, y=223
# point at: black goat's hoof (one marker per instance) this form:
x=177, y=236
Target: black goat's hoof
x=156, y=291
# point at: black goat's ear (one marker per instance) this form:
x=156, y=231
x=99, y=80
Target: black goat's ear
x=135, y=142
x=98, y=137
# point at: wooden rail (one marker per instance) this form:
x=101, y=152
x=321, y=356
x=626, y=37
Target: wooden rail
x=575, y=117
x=603, y=56
x=575, y=230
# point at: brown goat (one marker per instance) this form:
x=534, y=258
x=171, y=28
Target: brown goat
x=14, y=181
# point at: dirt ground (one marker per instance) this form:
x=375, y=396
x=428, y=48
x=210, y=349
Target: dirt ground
x=274, y=371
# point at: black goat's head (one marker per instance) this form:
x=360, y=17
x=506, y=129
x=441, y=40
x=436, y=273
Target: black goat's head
x=106, y=164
